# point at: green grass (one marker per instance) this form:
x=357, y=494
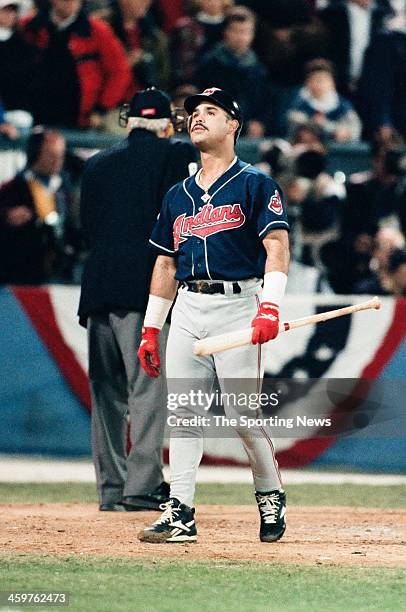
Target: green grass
x=304, y=495
x=310, y=495
x=164, y=586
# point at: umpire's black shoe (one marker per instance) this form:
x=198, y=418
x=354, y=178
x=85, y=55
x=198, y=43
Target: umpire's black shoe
x=272, y=508
x=111, y=508
x=149, y=501
x=176, y=524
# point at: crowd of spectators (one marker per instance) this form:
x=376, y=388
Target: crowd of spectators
x=307, y=73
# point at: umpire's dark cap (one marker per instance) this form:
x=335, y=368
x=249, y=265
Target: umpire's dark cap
x=151, y=103
x=220, y=98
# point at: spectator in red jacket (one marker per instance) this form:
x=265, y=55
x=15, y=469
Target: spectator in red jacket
x=84, y=66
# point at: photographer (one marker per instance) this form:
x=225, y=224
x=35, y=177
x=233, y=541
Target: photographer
x=378, y=198
x=315, y=202
x=375, y=210
x=385, y=267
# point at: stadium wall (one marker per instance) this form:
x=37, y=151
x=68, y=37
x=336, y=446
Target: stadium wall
x=356, y=364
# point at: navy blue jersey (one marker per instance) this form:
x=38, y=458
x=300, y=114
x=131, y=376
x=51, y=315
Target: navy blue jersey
x=218, y=234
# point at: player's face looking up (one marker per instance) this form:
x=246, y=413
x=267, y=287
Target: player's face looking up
x=210, y=125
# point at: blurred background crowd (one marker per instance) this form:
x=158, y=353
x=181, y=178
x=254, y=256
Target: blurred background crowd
x=309, y=75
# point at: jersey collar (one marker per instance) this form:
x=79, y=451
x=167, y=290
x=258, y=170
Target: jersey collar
x=198, y=173
x=235, y=168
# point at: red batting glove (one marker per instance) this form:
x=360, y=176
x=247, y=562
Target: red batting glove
x=148, y=353
x=265, y=323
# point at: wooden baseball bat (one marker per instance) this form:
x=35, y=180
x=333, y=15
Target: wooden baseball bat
x=230, y=340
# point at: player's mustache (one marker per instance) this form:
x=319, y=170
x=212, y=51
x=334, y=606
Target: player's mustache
x=200, y=125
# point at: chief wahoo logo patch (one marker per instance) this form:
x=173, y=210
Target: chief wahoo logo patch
x=275, y=203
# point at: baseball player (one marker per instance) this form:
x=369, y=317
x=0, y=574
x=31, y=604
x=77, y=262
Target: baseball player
x=223, y=248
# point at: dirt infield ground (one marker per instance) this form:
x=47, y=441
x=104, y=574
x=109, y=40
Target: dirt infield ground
x=322, y=535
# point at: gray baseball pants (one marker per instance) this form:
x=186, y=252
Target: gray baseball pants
x=122, y=391
x=238, y=370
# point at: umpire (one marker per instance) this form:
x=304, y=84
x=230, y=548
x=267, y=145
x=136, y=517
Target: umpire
x=122, y=191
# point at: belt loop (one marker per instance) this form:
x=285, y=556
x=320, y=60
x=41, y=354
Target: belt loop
x=228, y=287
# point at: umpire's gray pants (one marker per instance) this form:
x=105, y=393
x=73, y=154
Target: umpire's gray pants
x=120, y=388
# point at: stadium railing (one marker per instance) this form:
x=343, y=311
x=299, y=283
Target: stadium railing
x=347, y=158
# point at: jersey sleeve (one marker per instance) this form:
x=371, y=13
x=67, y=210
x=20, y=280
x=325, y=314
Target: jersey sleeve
x=269, y=206
x=162, y=234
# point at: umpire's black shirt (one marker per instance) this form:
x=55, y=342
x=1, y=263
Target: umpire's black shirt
x=121, y=195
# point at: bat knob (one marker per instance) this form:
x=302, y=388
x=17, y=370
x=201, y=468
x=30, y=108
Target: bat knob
x=376, y=303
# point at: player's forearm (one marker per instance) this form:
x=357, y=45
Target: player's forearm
x=276, y=245
x=162, y=293
x=276, y=267
x=163, y=282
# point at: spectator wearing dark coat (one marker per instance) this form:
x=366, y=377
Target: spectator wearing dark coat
x=351, y=26
x=38, y=239
x=383, y=84
x=84, y=67
x=194, y=35
x=288, y=36
x=234, y=66
x=19, y=78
